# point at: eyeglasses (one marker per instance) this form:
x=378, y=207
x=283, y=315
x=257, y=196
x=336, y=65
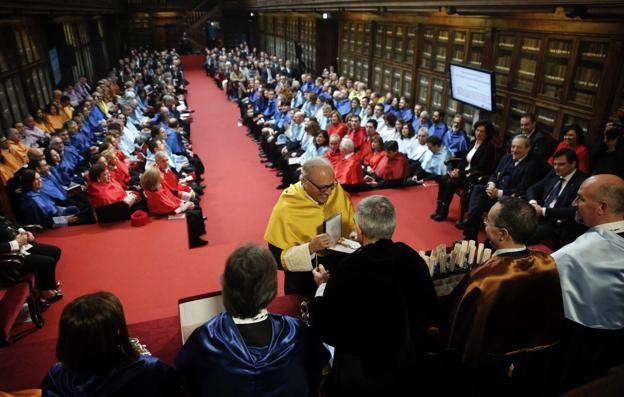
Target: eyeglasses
x=487, y=223
x=323, y=189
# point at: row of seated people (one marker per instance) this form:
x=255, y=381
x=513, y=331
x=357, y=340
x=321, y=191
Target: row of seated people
x=522, y=334
x=49, y=177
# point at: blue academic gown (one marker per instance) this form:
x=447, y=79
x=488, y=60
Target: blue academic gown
x=174, y=142
x=416, y=124
x=37, y=208
x=52, y=188
x=406, y=115
x=438, y=130
x=455, y=142
x=94, y=118
x=61, y=175
x=343, y=106
x=216, y=361
x=145, y=376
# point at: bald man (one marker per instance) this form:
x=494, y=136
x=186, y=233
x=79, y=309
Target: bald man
x=295, y=229
x=591, y=272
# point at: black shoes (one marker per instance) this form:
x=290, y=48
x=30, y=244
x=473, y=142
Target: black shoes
x=440, y=217
x=198, y=243
x=460, y=225
x=282, y=186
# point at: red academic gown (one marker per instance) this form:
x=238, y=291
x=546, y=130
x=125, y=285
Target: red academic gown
x=101, y=194
x=340, y=129
x=333, y=157
x=161, y=201
x=395, y=168
x=171, y=182
x=349, y=171
x=375, y=158
x=358, y=137
x=120, y=174
x=366, y=152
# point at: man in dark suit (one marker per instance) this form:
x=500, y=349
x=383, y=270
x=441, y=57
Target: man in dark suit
x=542, y=144
x=552, y=199
x=268, y=74
x=515, y=172
x=404, y=300
x=288, y=70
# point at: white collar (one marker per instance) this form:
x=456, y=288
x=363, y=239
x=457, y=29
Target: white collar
x=508, y=250
x=616, y=227
x=263, y=315
x=520, y=159
x=348, y=155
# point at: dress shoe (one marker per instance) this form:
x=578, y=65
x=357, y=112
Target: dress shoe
x=202, y=185
x=54, y=298
x=439, y=217
x=198, y=243
x=269, y=165
x=280, y=173
x=204, y=217
x=265, y=161
x=460, y=224
x=282, y=186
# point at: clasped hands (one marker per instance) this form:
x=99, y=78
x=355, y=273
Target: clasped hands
x=24, y=238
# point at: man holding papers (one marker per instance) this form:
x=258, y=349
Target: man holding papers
x=295, y=229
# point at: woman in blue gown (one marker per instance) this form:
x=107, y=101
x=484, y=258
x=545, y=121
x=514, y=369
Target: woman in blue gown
x=97, y=358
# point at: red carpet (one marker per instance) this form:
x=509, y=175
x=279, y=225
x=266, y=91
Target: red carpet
x=150, y=267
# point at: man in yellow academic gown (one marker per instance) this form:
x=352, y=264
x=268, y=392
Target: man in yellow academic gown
x=295, y=229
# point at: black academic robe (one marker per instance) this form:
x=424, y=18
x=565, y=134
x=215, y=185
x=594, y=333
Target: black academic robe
x=370, y=300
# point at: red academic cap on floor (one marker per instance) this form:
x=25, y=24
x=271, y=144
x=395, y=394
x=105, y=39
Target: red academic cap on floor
x=139, y=218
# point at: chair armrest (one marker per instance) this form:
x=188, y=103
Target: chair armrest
x=33, y=228
x=10, y=256
x=453, y=161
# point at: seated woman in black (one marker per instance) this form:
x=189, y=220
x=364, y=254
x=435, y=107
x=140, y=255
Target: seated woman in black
x=37, y=258
x=478, y=162
x=96, y=357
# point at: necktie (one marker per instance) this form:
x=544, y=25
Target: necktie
x=551, y=199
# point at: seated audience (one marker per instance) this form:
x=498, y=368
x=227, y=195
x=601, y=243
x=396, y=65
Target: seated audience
x=477, y=163
x=10, y=161
x=161, y=201
x=374, y=358
x=592, y=282
x=391, y=170
x=505, y=308
x=109, y=199
x=455, y=139
x=552, y=200
x=336, y=126
x=246, y=351
x=348, y=169
x=573, y=139
x=432, y=165
x=438, y=126
x=515, y=173
x=54, y=116
x=333, y=154
x=96, y=356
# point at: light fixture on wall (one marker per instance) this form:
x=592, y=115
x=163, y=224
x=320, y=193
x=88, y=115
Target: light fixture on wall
x=251, y=14
x=326, y=15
